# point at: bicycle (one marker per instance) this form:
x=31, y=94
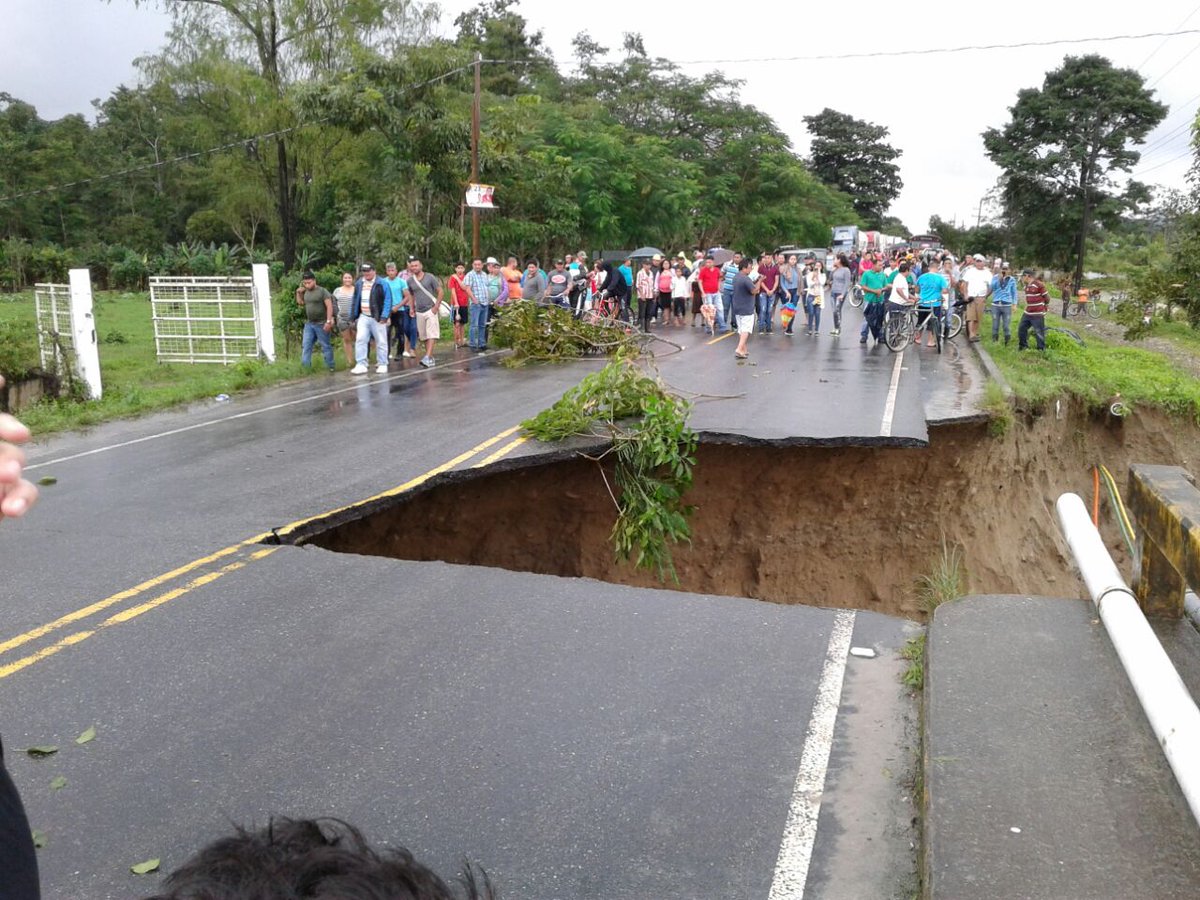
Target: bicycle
x=899, y=325
x=606, y=312
x=856, y=297
x=1089, y=307
x=953, y=323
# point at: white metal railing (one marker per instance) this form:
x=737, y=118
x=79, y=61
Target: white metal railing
x=205, y=320
x=1169, y=707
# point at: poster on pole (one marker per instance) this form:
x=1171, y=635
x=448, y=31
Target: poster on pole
x=479, y=196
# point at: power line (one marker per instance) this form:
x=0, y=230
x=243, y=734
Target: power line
x=1187, y=152
x=1178, y=63
x=931, y=51
x=1153, y=52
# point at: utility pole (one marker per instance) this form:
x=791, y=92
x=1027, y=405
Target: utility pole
x=475, y=155
x=979, y=215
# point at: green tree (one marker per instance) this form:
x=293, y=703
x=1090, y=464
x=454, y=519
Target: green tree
x=494, y=30
x=256, y=51
x=851, y=155
x=1060, y=148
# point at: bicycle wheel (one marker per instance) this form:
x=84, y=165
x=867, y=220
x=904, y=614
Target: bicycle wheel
x=897, y=331
x=1072, y=309
x=856, y=297
x=1093, y=309
x=955, y=326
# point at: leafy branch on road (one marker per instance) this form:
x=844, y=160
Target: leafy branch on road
x=653, y=453
x=540, y=333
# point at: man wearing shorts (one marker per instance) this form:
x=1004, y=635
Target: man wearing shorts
x=744, y=293
x=424, y=299
x=978, y=280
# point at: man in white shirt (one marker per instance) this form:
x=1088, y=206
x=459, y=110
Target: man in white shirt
x=978, y=280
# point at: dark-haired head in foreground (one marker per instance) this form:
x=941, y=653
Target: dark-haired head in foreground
x=310, y=858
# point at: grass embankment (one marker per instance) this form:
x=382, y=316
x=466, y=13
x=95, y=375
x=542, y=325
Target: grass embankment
x=1096, y=373
x=135, y=383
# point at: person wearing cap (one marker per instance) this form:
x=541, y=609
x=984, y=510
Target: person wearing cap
x=1004, y=298
x=558, y=285
x=370, y=310
x=977, y=279
x=318, y=314
x=1037, y=301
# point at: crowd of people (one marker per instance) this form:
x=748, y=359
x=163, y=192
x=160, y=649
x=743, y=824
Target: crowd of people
x=400, y=313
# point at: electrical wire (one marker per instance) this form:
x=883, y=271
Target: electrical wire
x=242, y=142
x=1153, y=52
x=930, y=51
x=1187, y=152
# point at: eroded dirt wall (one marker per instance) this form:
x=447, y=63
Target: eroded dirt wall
x=827, y=527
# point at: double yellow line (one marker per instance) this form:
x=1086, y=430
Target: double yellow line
x=243, y=557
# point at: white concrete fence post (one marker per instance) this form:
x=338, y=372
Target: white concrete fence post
x=261, y=275
x=83, y=332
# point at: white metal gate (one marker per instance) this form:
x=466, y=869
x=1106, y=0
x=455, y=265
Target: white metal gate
x=66, y=331
x=56, y=337
x=205, y=320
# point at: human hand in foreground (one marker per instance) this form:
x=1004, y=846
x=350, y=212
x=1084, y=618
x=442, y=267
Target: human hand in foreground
x=17, y=494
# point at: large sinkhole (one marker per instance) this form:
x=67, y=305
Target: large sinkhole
x=824, y=526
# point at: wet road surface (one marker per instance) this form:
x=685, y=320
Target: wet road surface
x=577, y=739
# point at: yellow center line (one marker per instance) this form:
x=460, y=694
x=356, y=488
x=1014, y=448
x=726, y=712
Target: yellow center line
x=132, y=613
x=503, y=451
x=727, y=334
x=101, y=605
x=401, y=488
x=159, y=580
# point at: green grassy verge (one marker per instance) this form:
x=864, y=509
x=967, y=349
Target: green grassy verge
x=1095, y=373
x=135, y=383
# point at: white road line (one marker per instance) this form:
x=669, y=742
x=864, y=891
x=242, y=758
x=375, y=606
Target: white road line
x=889, y=408
x=253, y=412
x=800, y=832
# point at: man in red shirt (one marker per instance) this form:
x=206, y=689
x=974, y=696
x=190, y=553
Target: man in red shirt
x=1036, y=302
x=710, y=286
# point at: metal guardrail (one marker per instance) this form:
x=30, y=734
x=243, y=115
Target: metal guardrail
x=1165, y=505
x=1169, y=707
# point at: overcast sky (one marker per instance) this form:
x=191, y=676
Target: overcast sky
x=61, y=54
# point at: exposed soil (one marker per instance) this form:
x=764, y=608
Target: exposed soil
x=848, y=527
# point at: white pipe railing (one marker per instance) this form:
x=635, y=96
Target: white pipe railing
x=1169, y=707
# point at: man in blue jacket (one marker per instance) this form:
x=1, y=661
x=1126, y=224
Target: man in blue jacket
x=370, y=309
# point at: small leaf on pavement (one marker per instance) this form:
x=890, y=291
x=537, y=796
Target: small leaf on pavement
x=47, y=479
x=57, y=783
x=39, y=839
x=38, y=752
x=145, y=868
x=89, y=735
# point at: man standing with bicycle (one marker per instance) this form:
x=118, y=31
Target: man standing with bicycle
x=934, y=293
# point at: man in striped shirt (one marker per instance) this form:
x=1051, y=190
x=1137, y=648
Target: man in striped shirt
x=1036, y=301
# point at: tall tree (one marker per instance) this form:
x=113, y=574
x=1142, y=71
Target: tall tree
x=851, y=155
x=1061, y=146
x=266, y=47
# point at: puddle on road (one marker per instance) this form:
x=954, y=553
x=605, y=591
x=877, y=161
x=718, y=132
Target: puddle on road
x=824, y=526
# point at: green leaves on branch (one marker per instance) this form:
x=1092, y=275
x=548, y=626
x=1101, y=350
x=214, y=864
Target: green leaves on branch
x=653, y=453
x=549, y=333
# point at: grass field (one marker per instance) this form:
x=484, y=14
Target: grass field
x=1096, y=373
x=134, y=381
